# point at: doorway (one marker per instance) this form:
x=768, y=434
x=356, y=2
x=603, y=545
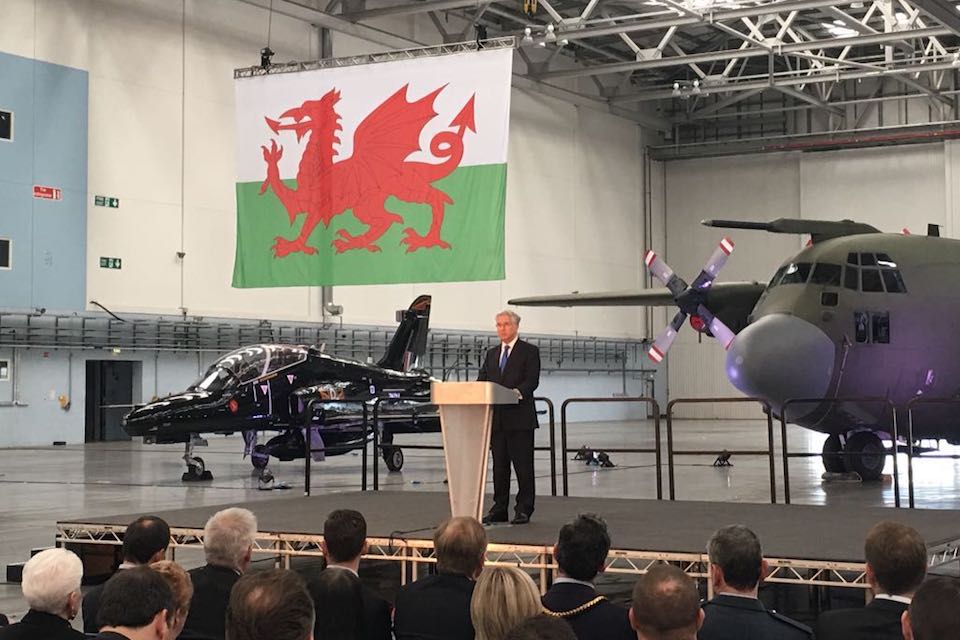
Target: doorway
x=110, y=396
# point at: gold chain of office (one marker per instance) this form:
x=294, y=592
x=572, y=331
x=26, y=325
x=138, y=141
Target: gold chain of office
x=572, y=612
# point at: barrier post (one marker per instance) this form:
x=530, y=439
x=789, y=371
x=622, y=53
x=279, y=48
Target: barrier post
x=553, y=443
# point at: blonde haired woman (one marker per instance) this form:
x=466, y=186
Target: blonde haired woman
x=502, y=598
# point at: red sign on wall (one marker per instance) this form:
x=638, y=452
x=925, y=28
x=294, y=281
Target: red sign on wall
x=46, y=193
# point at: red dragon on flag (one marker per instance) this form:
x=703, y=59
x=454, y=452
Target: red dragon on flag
x=379, y=168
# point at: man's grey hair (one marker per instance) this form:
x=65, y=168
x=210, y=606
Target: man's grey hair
x=736, y=550
x=49, y=578
x=228, y=535
x=510, y=314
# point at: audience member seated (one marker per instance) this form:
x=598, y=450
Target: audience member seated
x=145, y=540
x=270, y=605
x=228, y=539
x=437, y=607
x=4, y=620
x=666, y=605
x=344, y=541
x=502, y=599
x=896, y=564
x=338, y=601
x=136, y=604
x=581, y=553
x=179, y=582
x=51, y=587
x=934, y=612
x=542, y=627
x=736, y=568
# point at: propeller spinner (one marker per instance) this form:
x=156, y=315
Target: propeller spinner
x=690, y=298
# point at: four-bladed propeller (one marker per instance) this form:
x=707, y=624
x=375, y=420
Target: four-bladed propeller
x=691, y=299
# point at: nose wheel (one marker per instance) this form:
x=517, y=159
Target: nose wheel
x=393, y=457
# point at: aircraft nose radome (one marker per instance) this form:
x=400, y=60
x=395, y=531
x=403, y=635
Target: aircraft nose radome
x=780, y=357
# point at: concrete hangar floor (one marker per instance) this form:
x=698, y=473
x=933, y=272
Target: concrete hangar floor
x=45, y=484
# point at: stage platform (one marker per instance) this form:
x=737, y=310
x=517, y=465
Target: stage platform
x=809, y=545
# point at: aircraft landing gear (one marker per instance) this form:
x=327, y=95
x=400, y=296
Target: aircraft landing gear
x=393, y=457
x=196, y=469
x=866, y=455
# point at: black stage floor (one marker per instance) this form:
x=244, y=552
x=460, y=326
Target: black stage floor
x=819, y=533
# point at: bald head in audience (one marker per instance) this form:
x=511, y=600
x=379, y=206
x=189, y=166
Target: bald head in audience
x=461, y=546
x=270, y=605
x=666, y=605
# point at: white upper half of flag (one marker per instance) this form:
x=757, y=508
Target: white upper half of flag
x=484, y=74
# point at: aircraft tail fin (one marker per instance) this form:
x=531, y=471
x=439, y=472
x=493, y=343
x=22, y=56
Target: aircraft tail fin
x=818, y=229
x=409, y=343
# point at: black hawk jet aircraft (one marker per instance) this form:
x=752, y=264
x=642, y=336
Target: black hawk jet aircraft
x=268, y=387
x=856, y=314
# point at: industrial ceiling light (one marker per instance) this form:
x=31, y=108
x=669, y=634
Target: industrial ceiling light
x=527, y=34
x=550, y=36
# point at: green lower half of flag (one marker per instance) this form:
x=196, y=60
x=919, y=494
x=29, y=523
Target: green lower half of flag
x=472, y=225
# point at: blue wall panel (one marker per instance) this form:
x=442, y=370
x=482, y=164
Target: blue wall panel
x=49, y=148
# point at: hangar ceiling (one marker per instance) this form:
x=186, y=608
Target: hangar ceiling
x=707, y=70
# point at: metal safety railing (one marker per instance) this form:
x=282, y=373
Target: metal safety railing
x=565, y=450
x=914, y=402
x=832, y=401
x=308, y=450
x=672, y=452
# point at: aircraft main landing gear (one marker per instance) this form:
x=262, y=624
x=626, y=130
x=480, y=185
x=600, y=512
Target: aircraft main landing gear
x=196, y=468
x=865, y=455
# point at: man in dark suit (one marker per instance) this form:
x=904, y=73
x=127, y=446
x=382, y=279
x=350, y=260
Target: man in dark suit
x=437, y=607
x=51, y=587
x=515, y=364
x=136, y=604
x=581, y=553
x=934, y=612
x=228, y=539
x=270, y=605
x=145, y=541
x=736, y=567
x=666, y=605
x=896, y=564
x=344, y=541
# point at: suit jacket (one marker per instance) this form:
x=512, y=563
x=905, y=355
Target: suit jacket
x=208, y=607
x=736, y=618
x=37, y=625
x=434, y=607
x=376, y=616
x=91, y=605
x=602, y=621
x=879, y=620
x=522, y=373
x=110, y=635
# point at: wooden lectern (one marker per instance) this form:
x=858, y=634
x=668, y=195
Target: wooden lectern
x=466, y=413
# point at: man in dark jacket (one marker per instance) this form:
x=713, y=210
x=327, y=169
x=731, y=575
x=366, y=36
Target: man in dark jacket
x=145, y=541
x=736, y=567
x=437, y=607
x=515, y=364
x=344, y=541
x=51, y=587
x=136, y=604
x=934, y=612
x=581, y=553
x=228, y=539
x=896, y=558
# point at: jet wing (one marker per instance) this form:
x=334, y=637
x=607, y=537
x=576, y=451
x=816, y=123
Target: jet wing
x=719, y=293
x=818, y=229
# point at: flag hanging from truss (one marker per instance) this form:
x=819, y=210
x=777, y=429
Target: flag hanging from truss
x=373, y=173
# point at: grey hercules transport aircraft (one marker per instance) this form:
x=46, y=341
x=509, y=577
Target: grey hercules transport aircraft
x=275, y=387
x=856, y=314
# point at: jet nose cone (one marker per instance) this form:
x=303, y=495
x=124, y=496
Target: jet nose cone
x=780, y=357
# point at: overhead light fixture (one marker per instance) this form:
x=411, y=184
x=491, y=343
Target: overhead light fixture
x=550, y=36
x=527, y=34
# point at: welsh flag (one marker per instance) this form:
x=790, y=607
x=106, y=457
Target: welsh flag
x=377, y=173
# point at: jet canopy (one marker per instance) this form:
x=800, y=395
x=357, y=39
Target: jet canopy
x=248, y=364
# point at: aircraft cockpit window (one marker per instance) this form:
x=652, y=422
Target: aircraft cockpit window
x=867, y=260
x=826, y=274
x=893, y=280
x=871, y=281
x=775, y=280
x=796, y=273
x=884, y=261
x=216, y=379
x=852, y=258
x=282, y=356
x=851, y=277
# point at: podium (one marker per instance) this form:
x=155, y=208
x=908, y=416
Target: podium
x=466, y=413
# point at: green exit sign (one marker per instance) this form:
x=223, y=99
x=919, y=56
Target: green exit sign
x=106, y=201
x=111, y=263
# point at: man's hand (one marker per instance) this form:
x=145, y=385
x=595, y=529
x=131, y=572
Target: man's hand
x=519, y=395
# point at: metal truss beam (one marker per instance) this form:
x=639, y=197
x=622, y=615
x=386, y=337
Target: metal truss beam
x=734, y=54
x=943, y=12
x=413, y=8
x=805, y=97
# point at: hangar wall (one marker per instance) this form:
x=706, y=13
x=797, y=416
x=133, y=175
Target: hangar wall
x=161, y=140
x=890, y=188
